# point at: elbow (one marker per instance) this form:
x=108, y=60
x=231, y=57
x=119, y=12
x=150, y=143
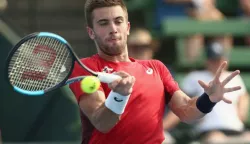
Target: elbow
x=103, y=130
x=187, y=121
x=104, y=122
x=105, y=127
x=183, y=115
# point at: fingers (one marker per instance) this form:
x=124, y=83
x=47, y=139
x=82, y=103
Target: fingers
x=113, y=84
x=202, y=84
x=219, y=71
x=129, y=81
x=123, y=86
x=123, y=81
x=230, y=77
x=232, y=89
x=227, y=100
x=122, y=74
x=226, y=90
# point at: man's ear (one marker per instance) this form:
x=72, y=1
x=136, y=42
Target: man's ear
x=91, y=33
x=128, y=30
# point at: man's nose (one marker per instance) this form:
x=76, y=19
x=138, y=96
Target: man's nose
x=113, y=28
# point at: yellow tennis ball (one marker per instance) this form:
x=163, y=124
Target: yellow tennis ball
x=90, y=84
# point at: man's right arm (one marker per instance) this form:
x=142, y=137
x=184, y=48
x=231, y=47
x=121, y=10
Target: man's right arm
x=93, y=106
x=105, y=113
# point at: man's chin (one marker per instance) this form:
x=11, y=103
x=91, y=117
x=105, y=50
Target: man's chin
x=112, y=50
x=112, y=53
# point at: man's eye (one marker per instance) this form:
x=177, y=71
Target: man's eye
x=103, y=23
x=119, y=21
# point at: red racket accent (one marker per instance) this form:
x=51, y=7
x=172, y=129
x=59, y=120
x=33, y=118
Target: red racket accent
x=45, y=62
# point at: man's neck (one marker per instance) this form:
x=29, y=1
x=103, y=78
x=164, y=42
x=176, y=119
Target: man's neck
x=118, y=58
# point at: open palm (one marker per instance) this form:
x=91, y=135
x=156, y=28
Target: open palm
x=216, y=88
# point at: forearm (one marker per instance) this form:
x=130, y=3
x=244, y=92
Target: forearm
x=104, y=119
x=104, y=113
x=189, y=112
x=93, y=106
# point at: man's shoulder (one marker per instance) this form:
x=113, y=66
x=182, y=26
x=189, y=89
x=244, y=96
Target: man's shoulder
x=92, y=58
x=92, y=62
x=156, y=65
x=154, y=62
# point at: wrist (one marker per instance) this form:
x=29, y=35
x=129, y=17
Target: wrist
x=204, y=104
x=116, y=102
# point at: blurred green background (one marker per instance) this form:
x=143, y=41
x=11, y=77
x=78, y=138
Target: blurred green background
x=55, y=117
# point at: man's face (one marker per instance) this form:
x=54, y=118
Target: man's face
x=110, y=30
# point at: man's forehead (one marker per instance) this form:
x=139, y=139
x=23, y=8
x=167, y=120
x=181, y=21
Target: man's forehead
x=108, y=13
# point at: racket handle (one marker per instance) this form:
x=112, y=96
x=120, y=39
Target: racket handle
x=107, y=78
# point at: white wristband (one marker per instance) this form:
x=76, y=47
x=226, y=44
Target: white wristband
x=116, y=102
x=198, y=3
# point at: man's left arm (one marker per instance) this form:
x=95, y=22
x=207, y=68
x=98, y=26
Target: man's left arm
x=185, y=107
x=190, y=109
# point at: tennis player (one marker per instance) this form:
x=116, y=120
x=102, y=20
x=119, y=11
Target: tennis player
x=130, y=110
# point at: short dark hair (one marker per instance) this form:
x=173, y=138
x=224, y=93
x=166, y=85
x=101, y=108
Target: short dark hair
x=90, y=5
x=215, y=50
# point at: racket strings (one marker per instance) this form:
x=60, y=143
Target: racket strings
x=43, y=56
x=36, y=71
x=50, y=76
x=26, y=60
x=39, y=63
x=59, y=65
x=22, y=59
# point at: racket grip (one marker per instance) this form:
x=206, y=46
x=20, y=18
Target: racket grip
x=107, y=78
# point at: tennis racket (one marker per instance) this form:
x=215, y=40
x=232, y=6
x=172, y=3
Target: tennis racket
x=42, y=62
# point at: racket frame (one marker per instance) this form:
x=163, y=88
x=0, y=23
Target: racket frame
x=29, y=37
x=103, y=77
